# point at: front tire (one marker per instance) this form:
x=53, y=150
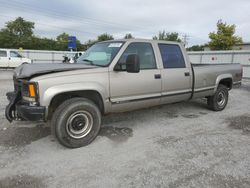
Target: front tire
x=219, y=100
x=76, y=122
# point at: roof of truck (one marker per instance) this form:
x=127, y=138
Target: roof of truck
x=143, y=40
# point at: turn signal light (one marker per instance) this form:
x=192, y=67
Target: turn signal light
x=32, y=90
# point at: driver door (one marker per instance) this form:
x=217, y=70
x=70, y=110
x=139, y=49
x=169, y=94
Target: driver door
x=129, y=91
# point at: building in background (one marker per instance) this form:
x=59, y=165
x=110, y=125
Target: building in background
x=243, y=46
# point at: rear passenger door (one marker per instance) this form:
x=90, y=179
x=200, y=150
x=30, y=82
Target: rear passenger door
x=176, y=75
x=4, y=60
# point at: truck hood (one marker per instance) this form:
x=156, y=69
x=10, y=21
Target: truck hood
x=32, y=70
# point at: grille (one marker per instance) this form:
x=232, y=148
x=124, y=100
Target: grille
x=20, y=86
x=25, y=89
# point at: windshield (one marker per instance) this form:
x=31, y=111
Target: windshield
x=101, y=54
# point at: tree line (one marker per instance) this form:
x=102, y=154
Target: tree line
x=19, y=33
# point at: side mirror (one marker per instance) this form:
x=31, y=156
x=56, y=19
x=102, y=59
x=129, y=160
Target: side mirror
x=133, y=63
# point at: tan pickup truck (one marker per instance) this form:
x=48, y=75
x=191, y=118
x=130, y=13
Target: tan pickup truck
x=114, y=76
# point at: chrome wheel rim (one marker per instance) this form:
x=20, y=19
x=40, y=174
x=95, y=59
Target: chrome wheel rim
x=221, y=99
x=79, y=124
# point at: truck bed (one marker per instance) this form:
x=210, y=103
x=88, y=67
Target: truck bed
x=206, y=76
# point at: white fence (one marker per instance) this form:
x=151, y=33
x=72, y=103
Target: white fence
x=217, y=57
x=44, y=56
x=213, y=57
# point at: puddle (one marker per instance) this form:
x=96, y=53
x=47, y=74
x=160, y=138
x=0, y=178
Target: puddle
x=166, y=111
x=116, y=134
x=203, y=113
x=21, y=136
x=165, y=141
x=240, y=122
x=21, y=181
x=169, y=114
x=190, y=116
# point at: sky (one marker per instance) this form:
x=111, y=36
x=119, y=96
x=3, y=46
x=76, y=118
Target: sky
x=87, y=19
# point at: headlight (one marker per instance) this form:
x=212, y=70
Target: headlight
x=30, y=91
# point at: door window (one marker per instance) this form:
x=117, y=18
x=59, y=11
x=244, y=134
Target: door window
x=15, y=54
x=145, y=53
x=3, y=53
x=172, y=56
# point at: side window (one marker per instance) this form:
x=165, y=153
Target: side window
x=172, y=56
x=14, y=54
x=3, y=53
x=145, y=53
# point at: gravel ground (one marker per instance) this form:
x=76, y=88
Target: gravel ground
x=178, y=145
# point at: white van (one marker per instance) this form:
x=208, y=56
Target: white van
x=11, y=58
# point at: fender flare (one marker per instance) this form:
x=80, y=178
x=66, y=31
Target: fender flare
x=221, y=77
x=51, y=92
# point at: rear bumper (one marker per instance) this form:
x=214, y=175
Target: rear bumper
x=16, y=110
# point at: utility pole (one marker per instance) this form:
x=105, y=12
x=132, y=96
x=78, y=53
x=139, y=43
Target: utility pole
x=185, y=39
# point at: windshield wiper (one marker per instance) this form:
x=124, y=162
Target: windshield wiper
x=87, y=60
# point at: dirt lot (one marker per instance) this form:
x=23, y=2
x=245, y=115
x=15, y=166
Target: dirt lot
x=179, y=145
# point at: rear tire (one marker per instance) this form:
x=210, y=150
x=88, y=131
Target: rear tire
x=76, y=122
x=219, y=100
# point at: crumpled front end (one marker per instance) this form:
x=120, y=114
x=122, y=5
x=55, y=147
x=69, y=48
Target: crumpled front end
x=10, y=110
x=22, y=106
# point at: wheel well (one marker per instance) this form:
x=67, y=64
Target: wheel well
x=227, y=82
x=89, y=94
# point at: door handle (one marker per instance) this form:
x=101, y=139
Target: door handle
x=157, y=76
x=187, y=74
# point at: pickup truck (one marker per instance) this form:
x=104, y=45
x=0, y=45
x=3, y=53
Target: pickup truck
x=114, y=76
x=11, y=58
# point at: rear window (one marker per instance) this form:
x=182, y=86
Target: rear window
x=172, y=56
x=3, y=53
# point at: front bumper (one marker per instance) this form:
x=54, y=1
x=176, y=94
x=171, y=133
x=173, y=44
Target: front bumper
x=30, y=113
x=16, y=110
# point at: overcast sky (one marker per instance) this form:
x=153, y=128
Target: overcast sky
x=143, y=18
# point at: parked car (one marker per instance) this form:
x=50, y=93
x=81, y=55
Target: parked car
x=114, y=76
x=11, y=58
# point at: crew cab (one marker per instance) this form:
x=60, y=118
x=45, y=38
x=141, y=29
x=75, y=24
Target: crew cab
x=11, y=58
x=114, y=76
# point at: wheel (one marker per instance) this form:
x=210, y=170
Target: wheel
x=76, y=122
x=219, y=100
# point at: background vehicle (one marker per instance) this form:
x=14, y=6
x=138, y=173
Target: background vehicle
x=114, y=76
x=11, y=58
x=73, y=58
